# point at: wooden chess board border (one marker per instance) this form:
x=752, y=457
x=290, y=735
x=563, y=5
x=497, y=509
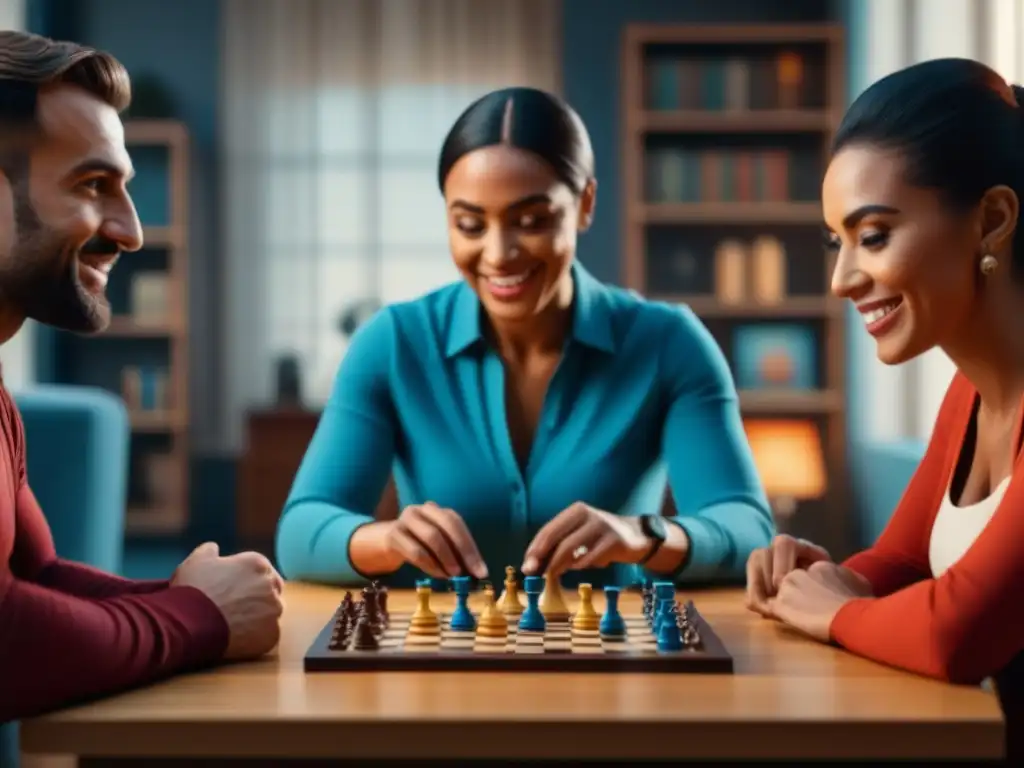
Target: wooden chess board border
x=712, y=658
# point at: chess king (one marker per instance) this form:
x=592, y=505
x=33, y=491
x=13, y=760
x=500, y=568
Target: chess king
x=529, y=413
x=67, y=631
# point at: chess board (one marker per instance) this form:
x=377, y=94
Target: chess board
x=558, y=649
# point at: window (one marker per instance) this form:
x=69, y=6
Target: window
x=903, y=402
x=335, y=113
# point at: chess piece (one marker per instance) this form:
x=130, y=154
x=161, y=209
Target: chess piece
x=586, y=618
x=423, y=620
x=552, y=604
x=371, y=609
x=612, y=625
x=492, y=622
x=462, y=619
x=690, y=636
x=365, y=636
x=664, y=596
x=382, y=604
x=669, y=637
x=341, y=630
x=510, y=604
x=532, y=619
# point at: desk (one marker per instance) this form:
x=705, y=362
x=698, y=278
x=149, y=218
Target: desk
x=790, y=698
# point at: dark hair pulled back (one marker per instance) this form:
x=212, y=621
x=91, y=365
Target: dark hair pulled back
x=958, y=125
x=528, y=119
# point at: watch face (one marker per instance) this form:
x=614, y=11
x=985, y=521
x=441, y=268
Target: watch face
x=655, y=527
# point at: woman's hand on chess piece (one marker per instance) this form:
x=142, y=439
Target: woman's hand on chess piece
x=435, y=540
x=809, y=599
x=582, y=536
x=247, y=591
x=768, y=566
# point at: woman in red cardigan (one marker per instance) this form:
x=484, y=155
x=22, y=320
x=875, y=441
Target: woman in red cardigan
x=922, y=201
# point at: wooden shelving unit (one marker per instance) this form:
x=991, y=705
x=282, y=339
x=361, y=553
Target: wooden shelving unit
x=153, y=343
x=148, y=517
x=805, y=127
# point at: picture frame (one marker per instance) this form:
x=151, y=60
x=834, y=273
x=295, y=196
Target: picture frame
x=775, y=356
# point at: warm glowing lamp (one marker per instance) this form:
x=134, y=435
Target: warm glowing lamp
x=790, y=461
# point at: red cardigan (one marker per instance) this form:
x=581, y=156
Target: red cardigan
x=69, y=632
x=968, y=624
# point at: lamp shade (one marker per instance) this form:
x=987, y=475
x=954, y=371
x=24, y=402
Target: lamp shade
x=789, y=457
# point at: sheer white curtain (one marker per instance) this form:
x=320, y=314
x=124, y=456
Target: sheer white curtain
x=333, y=116
x=903, y=401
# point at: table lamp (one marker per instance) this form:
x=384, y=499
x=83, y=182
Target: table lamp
x=790, y=461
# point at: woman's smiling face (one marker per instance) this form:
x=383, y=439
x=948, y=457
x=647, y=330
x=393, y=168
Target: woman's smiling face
x=512, y=228
x=903, y=256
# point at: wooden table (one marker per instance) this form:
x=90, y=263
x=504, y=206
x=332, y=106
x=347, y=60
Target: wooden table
x=790, y=698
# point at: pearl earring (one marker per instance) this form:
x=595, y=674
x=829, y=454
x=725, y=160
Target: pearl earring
x=988, y=264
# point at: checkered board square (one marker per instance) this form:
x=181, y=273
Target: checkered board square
x=557, y=648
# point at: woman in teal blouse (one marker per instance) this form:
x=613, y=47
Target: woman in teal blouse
x=529, y=413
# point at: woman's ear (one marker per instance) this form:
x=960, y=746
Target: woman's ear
x=588, y=199
x=1000, y=209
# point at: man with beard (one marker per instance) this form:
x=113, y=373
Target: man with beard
x=67, y=631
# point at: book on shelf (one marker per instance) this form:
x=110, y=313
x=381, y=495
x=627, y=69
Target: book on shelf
x=150, y=297
x=719, y=175
x=144, y=388
x=725, y=83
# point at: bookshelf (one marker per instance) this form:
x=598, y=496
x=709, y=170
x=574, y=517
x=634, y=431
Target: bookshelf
x=143, y=355
x=725, y=134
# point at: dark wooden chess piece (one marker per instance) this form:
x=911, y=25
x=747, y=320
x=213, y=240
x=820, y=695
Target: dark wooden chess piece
x=691, y=638
x=365, y=638
x=371, y=609
x=382, y=604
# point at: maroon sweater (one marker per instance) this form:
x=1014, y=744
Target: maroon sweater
x=69, y=632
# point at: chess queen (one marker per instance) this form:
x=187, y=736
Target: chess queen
x=529, y=413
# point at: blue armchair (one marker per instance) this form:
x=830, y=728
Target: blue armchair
x=77, y=441
x=884, y=471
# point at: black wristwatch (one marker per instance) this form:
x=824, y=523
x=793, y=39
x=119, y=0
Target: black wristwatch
x=653, y=527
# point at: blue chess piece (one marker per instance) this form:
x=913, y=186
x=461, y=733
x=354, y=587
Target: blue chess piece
x=612, y=624
x=462, y=618
x=669, y=636
x=664, y=598
x=532, y=619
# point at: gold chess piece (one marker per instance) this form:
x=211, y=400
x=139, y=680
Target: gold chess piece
x=552, y=604
x=510, y=605
x=424, y=621
x=492, y=622
x=586, y=618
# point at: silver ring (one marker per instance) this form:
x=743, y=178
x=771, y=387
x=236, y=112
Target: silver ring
x=579, y=552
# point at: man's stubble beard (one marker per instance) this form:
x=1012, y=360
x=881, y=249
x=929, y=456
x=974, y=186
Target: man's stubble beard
x=40, y=276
